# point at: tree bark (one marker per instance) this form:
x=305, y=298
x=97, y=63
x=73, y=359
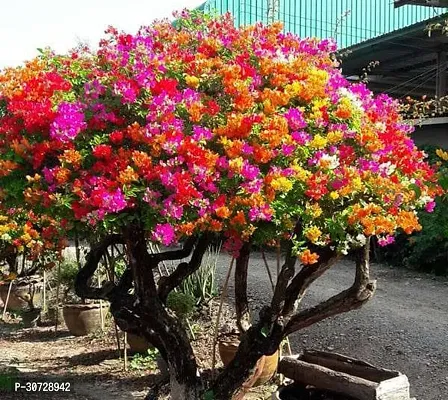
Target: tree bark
x=144, y=312
x=308, y=274
x=359, y=293
x=241, y=302
x=254, y=344
x=167, y=284
x=155, y=318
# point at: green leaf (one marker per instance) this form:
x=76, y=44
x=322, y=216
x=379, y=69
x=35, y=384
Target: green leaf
x=443, y=181
x=416, y=189
x=209, y=395
x=265, y=331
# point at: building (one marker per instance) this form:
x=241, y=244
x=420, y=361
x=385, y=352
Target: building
x=349, y=21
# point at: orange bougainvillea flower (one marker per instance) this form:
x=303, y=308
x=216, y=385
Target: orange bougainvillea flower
x=238, y=219
x=223, y=212
x=307, y=257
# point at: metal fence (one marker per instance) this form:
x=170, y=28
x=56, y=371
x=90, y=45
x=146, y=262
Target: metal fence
x=348, y=21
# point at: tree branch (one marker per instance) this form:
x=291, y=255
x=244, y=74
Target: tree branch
x=184, y=252
x=286, y=274
x=241, y=303
x=183, y=270
x=359, y=293
x=307, y=275
x=128, y=317
x=82, y=287
x=141, y=263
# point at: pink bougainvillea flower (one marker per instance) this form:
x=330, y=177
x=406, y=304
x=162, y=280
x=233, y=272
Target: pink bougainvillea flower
x=69, y=122
x=164, y=233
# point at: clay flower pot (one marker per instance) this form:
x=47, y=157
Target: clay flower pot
x=228, y=347
x=82, y=319
x=21, y=292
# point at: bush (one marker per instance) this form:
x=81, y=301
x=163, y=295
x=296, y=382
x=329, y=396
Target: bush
x=182, y=304
x=426, y=250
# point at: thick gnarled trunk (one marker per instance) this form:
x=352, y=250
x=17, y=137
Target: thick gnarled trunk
x=143, y=312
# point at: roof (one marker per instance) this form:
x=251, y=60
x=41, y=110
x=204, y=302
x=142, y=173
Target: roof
x=426, y=3
x=407, y=60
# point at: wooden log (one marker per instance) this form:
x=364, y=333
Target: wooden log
x=351, y=366
x=395, y=388
x=326, y=378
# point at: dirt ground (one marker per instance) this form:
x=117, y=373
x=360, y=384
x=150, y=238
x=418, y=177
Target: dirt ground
x=91, y=364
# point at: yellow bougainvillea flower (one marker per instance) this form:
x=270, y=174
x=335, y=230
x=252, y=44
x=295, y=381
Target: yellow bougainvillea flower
x=192, y=81
x=442, y=154
x=313, y=233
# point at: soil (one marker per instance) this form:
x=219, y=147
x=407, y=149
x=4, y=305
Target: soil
x=92, y=364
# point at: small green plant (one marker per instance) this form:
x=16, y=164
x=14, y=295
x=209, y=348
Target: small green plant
x=144, y=362
x=195, y=329
x=202, y=284
x=181, y=303
x=67, y=276
x=69, y=269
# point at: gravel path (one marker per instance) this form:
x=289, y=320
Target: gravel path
x=404, y=327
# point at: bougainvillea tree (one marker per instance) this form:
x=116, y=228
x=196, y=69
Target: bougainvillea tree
x=197, y=128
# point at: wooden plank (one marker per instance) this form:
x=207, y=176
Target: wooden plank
x=394, y=389
x=348, y=365
x=326, y=378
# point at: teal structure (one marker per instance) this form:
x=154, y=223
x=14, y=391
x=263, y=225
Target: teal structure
x=350, y=22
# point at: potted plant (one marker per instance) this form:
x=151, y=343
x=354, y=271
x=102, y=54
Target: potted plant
x=81, y=318
x=203, y=128
x=21, y=291
x=29, y=244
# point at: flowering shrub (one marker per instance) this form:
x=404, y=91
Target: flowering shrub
x=184, y=130
x=205, y=127
x=38, y=237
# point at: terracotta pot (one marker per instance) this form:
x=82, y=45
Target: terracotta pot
x=228, y=348
x=30, y=318
x=138, y=344
x=21, y=294
x=82, y=319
